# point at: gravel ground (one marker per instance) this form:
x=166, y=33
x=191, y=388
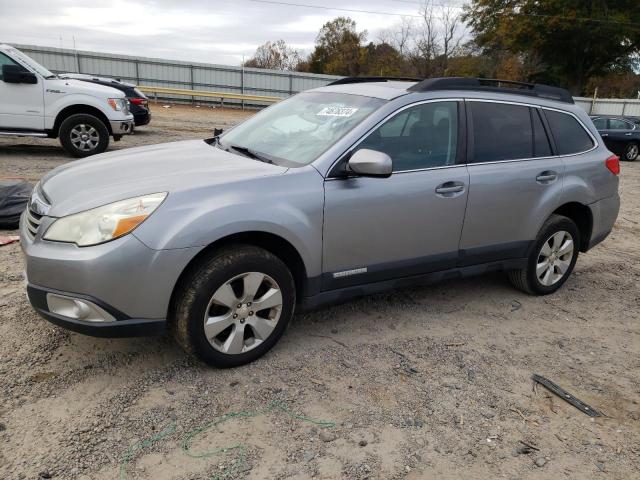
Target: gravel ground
x=421, y=383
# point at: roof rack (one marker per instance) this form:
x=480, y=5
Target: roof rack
x=493, y=85
x=347, y=80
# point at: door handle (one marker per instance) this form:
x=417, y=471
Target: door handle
x=546, y=177
x=448, y=188
x=628, y=134
x=604, y=134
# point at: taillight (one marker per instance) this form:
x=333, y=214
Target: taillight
x=613, y=164
x=138, y=101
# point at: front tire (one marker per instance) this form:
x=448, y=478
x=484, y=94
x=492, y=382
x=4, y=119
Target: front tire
x=82, y=135
x=234, y=306
x=552, y=258
x=631, y=152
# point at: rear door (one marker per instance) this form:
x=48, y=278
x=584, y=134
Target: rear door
x=618, y=134
x=514, y=179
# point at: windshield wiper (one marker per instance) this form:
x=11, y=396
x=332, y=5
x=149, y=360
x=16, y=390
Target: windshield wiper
x=247, y=152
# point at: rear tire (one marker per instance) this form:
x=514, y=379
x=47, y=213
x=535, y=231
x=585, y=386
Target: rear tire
x=551, y=259
x=631, y=152
x=82, y=135
x=217, y=315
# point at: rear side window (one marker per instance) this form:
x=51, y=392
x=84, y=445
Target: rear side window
x=616, y=124
x=569, y=135
x=500, y=131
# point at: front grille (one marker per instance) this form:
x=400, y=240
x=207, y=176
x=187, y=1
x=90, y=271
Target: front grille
x=33, y=222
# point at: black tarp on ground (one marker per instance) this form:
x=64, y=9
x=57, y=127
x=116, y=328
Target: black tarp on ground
x=14, y=195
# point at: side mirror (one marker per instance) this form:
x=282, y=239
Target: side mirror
x=18, y=74
x=371, y=163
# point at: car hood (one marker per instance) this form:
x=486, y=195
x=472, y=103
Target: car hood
x=70, y=85
x=168, y=167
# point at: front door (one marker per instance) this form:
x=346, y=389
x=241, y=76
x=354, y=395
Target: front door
x=409, y=223
x=21, y=104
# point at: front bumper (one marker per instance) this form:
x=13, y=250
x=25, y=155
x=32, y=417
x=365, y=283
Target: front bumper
x=124, y=277
x=122, y=326
x=122, y=127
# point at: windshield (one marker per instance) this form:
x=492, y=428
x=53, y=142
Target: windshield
x=30, y=62
x=296, y=131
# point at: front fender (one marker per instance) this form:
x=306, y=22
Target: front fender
x=289, y=206
x=55, y=103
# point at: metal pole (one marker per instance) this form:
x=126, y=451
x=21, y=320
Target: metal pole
x=76, y=55
x=290, y=84
x=193, y=99
x=137, y=72
x=624, y=108
x=593, y=102
x=242, y=81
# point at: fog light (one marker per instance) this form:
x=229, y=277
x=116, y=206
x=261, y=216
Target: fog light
x=77, y=308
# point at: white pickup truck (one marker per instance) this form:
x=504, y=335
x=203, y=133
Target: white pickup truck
x=36, y=103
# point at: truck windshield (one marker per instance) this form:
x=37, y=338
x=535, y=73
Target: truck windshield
x=30, y=62
x=296, y=131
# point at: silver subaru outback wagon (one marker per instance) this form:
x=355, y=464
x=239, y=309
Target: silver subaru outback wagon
x=354, y=188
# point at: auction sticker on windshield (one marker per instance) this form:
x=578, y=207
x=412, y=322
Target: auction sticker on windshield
x=337, y=112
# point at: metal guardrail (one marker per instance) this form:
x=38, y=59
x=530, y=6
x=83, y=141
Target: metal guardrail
x=208, y=93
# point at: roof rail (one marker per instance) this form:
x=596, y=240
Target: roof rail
x=347, y=80
x=493, y=85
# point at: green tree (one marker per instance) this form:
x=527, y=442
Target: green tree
x=382, y=60
x=570, y=41
x=337, y=50
x=274, y=55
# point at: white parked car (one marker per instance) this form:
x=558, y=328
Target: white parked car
x=37, y=103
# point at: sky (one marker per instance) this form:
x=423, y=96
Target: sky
x=211, y=31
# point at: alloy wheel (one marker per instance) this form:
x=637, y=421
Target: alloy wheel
x=554, y=258
x=243, y=312
x=84, y=137
x=632, y=151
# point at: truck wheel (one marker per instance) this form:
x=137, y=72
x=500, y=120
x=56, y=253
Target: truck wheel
x=82, y=135
x=552, y=258
x=234, y=306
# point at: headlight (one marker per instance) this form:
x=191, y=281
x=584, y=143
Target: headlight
x=118, y=104
x=105, y=223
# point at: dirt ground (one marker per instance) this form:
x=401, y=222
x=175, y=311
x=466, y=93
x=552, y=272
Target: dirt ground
x=424, y=383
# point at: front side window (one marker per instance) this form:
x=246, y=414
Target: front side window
x=600, y=123
x=569, y=135
x=500, y=131
x=30, y=62
x=617, y=124
x=4, y=60
x=296, y=131
x=423, y=136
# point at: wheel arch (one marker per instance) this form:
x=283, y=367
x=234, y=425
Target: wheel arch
x=583, y=218
x=271, y=242
x=79, y=108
